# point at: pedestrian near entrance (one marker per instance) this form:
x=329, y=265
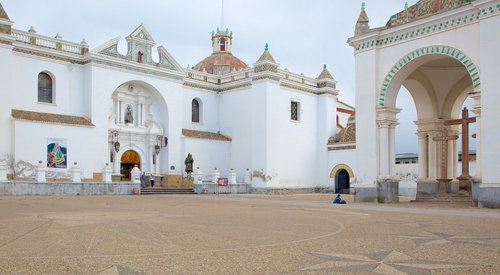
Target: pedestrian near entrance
x=152, y=180
x=143, y=179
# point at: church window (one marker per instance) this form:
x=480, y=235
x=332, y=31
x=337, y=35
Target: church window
x=222, y=45
x=294, y=111
x=195, y=111
x=45, y=88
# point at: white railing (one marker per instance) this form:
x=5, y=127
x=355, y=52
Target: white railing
x=48, y=42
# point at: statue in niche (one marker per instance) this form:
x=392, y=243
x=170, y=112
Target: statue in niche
x=129, y=117
x=139, y=56
x=189, y=165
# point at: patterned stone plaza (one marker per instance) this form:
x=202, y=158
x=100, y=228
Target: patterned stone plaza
x=243, y=234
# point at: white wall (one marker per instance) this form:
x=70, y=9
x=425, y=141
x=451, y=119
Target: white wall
x=31, y=145
x=208, y=154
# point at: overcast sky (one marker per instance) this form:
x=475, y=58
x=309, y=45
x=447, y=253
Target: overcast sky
x=302, y=35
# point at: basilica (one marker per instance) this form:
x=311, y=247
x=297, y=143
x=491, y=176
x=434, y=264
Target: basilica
x=86, y=114
x=97, y=109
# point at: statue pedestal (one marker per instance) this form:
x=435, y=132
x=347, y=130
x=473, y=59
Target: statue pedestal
x=188, y=182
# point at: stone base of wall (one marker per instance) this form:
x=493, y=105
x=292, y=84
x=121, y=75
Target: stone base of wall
x=59, y=188
x=489, y=196
x=291, y=191
x=366, y=194
x=211, y=188
x=388, y=191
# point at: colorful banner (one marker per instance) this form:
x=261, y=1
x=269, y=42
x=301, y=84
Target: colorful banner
x=57, y=153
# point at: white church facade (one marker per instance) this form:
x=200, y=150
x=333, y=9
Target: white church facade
x=442, y=52
x=97, y=111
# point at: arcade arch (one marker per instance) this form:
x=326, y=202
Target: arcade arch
x=439, y=79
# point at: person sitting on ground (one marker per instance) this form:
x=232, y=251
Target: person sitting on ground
x=338, y=200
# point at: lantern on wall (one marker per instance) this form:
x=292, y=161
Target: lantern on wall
x=114, y=134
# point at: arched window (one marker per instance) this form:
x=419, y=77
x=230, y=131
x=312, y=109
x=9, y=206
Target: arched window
x=222, y=44
x=44, y=88
x=195, y=111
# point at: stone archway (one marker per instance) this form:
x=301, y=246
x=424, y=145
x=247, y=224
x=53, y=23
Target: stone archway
x=439, y=79
x=129, y=159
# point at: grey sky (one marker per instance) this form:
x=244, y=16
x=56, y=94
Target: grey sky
x=302, y=35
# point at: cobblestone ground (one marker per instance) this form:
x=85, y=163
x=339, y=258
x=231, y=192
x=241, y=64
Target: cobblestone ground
x=243, y=234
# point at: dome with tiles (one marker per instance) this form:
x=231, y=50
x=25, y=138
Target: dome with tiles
x=222, y=61
x=348, y=134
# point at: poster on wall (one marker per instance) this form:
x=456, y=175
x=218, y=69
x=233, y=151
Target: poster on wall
x=56, y=153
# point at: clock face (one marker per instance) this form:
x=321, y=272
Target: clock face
x=141, y=35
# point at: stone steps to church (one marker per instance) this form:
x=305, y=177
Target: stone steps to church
x=444, y=198
x=166, y=191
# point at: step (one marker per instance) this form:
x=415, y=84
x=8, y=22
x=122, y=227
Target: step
x=445, y=198
x=166, y=191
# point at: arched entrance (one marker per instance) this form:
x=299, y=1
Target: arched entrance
x=342, y=184
x=439, y=79
x=129, y=159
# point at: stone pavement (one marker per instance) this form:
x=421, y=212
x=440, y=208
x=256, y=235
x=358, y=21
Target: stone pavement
x=243, y=234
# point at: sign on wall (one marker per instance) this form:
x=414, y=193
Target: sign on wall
x=56, y=153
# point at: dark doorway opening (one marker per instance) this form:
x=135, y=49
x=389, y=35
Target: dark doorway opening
x=342, y=184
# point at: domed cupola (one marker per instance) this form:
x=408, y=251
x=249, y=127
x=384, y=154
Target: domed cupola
x=222, y=61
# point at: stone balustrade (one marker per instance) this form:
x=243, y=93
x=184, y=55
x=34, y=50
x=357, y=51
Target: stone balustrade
x=48, y=42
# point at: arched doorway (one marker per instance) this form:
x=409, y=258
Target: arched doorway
x=342, y=184
x=129, y=159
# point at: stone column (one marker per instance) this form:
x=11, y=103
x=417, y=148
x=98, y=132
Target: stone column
x=116, y=161
x=476, y=109
x=40, y=172
x=392, y=149
x=422, y=156
x=232, y=176
x=248, y=176
x=106, y=173
x=3, y=171
x=432, y=156
x=198, y=175
x=215, y=176
x=120, y=113
x=136, y=174
x=76, y=173
x=384, y=149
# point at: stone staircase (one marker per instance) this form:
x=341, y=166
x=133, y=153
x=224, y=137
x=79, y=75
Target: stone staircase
x=445, y=198
x=166, y=191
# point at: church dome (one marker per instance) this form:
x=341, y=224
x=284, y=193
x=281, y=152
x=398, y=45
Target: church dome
x=348, y=134
x=222, y=61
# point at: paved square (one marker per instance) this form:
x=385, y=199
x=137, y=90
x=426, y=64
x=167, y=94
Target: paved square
x=243, y=234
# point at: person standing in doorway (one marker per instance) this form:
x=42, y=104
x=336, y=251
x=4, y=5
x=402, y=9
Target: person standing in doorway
x=143, y=179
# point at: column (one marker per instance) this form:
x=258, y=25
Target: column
x=450, y=162
x=432, y=156
x=157, y=165
x=120, y=113
x=456, y=164
x=384, y=149
x=116, y=161
x=476, y=109
x=392, y=149
x=422, y=156
x=117, y=111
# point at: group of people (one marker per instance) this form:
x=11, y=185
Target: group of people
x=143, y=179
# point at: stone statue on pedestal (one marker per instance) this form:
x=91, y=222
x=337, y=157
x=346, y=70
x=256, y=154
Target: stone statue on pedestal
x=189, y=165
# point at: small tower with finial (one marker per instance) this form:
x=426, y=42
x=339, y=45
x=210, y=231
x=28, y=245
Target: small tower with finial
x=362, y=24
